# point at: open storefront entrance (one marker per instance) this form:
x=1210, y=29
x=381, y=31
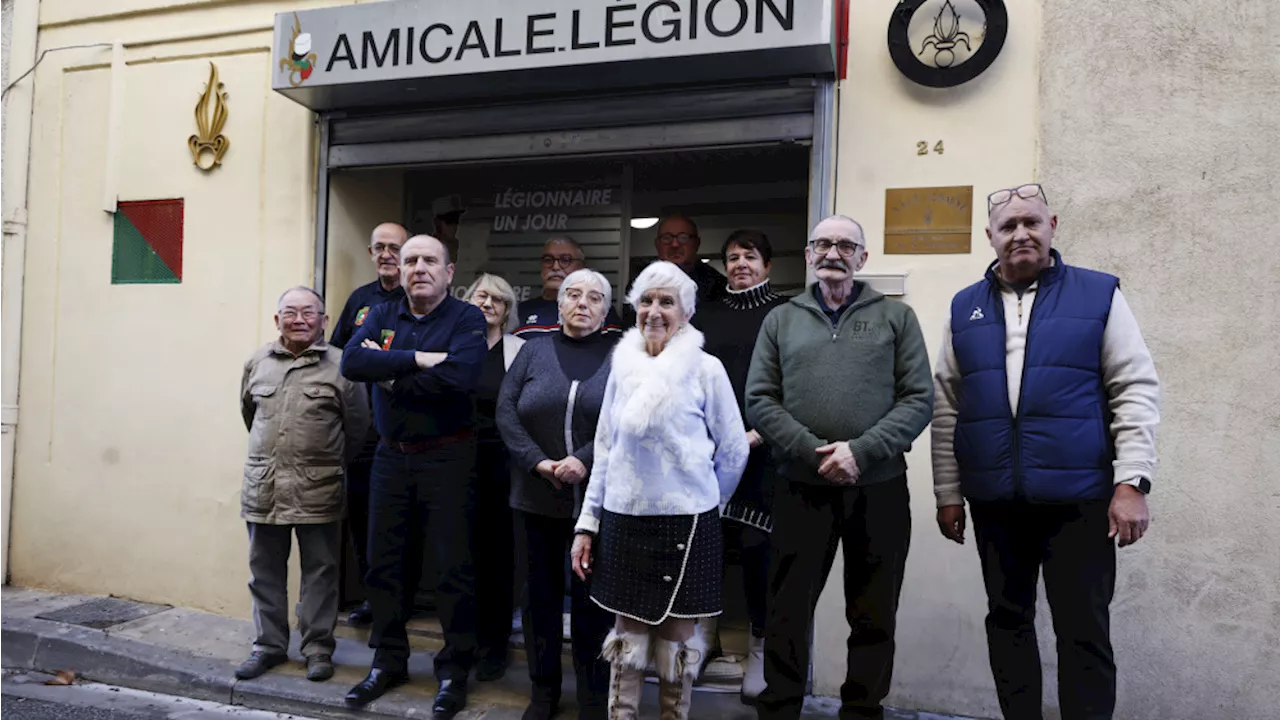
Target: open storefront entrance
x=500, y=210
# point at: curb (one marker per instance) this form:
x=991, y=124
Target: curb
x=47, y=647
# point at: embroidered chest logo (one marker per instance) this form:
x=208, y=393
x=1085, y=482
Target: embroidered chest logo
x=976, y=314
x=531, y=319
x=360, y=315
x=860, y=328
x=387, y=337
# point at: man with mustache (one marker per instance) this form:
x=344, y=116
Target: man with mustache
x=561, y=255
x=424, y=355
x=384, y=250
x=839, y=387
x=1047, y=409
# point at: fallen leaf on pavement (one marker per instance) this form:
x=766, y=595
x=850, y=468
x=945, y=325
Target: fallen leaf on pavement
x=62, y=677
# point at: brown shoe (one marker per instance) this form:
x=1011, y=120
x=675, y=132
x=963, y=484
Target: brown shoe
x=319, y=667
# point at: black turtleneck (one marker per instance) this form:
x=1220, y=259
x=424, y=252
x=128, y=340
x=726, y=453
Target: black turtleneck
x=580, y=358
x=730, y=326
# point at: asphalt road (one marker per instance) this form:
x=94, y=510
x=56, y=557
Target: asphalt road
x=26, y=697
x=26, y=709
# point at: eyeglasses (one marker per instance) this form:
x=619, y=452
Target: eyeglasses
x=846, y=248
x=565, y=260
x=380, y=248
x=573, y=295
x=673, y=238
x=292, y=314
x=481, y=296
x=1026, y=192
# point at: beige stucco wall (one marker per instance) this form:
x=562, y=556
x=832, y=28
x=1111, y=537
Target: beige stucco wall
x=129, y=443
x=1164, y=172
x=988, y=129
x=359, y=200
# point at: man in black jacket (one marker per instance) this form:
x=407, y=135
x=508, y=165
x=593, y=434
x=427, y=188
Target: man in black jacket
x=384, y=250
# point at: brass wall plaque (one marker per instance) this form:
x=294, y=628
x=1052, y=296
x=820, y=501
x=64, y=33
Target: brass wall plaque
x=928, y=221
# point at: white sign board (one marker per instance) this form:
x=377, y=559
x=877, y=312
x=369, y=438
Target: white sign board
x=408, y=39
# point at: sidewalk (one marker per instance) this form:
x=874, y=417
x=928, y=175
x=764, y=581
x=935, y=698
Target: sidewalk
x=189, y=653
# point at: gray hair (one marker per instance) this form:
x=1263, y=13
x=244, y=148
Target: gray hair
x=501, y=289
x=836, y=219
x=302, y=288
x=667, y=276
x=585, y=275
x=566, y=240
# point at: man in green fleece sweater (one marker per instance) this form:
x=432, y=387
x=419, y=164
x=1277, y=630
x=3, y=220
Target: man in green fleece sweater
x=840, y=385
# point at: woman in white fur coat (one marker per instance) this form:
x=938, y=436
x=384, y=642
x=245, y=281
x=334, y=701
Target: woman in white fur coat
x=670, y=448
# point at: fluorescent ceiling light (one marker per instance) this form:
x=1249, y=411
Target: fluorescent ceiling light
x=643, y=223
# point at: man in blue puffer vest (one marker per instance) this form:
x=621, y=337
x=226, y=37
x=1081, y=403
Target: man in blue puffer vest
x=1045, y=418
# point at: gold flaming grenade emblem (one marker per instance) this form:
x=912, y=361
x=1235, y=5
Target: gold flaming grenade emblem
x=208, y=145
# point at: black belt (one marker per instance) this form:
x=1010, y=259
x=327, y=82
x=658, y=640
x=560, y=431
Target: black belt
x=410, y=448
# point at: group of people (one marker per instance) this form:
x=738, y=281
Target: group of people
x=727, y=417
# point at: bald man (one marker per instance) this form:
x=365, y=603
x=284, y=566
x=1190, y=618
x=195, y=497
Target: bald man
x=384, y=250
x=424, y=355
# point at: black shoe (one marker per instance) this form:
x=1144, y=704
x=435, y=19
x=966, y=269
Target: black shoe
x=489, y=670
x=374, y=686
x=451, y=698
x=539, y=710
x=258, y=663
x=361, y=616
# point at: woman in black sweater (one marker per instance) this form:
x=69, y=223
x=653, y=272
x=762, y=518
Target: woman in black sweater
x=547, y=413
x=731, y=325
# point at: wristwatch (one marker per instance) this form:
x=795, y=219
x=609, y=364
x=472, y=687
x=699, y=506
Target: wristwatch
x=1141, y=484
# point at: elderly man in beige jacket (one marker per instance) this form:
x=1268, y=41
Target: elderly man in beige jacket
x=304, y=420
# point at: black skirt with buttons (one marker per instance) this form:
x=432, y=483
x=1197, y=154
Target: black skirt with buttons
x=649, y=568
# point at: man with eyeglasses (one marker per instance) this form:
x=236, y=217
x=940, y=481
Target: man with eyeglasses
x=839, y=387
x=305, y=421
x=561, y=255
x=1047, y=406
x=384, y=250
x=677, y=242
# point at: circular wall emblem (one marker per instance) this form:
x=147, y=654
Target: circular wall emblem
x=940, y=46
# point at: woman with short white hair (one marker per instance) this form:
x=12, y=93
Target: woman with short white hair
x=493, y=550
x=547, y=414
x=670, y=448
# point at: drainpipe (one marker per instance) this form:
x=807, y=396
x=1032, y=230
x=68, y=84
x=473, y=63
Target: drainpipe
x=17, y=150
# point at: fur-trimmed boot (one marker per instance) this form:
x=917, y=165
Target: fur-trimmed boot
x=628, y=656
x=678, y=664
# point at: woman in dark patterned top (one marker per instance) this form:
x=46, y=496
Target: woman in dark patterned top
x=493, y=550
x=547, y=413
x=731, y=326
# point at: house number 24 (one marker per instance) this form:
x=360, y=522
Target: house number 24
x=922, y=147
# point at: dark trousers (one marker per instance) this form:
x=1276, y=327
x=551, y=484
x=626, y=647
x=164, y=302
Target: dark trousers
x=493, y=552
x=1070, y=541
x=809, y=521
x=419, y=499
x=548, y=540
x=752, y=546
x=357, y=488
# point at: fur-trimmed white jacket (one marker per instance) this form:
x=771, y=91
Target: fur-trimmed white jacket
x=670, y=440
